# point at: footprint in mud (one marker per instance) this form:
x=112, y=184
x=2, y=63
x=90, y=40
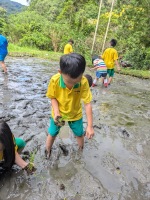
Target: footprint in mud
x=95, y=126
x=125, y=133
x=64, y=149
x=62, y=186
x=94, y=100
x=110, y=163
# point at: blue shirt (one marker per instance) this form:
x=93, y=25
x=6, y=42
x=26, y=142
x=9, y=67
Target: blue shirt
x=3, y=45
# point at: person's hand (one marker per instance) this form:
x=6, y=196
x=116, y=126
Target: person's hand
x=59, y=121
x=89, y=132
x=29, y=168
x=118, y=68
x=91, y=69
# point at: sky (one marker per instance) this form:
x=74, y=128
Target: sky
x=23, y=2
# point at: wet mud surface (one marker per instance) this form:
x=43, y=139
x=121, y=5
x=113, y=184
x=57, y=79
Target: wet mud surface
x=114, y=165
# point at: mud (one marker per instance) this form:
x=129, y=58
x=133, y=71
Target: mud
x=114, y=165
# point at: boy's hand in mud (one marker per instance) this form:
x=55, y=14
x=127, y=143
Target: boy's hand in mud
x=59, y=121
x=29, y=168
x=89, y=132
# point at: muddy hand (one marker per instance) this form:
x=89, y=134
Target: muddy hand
x=30, y=169
x=89, y=132
x=59, y=121
x=89, y=136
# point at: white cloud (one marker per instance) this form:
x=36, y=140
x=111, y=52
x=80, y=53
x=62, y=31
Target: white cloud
x=23, y=2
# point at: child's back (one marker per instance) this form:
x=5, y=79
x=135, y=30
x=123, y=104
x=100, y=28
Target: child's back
x=101, y=70
x=101, y=66
x=109, y=56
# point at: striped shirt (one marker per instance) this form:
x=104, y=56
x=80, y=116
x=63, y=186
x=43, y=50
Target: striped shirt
x=101, y=65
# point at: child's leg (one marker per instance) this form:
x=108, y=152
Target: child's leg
x=49, y=143
x=104, y=79
x=111, y=74
x=80, y=141
x=77, y=128
x=53, y=130
x=3, y=66
x=95, y=80
x=110, y=79
x=2, y=58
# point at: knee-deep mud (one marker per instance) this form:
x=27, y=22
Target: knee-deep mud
x=115, y=164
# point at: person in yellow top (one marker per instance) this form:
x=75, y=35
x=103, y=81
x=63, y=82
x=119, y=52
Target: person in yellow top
x=110, y=57
x=68, y=47
x=10, y=148
x=66, y=90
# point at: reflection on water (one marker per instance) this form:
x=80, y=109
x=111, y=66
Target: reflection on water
x=114, y=164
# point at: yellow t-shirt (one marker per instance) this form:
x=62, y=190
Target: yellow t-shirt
x=109, y=56
x=1, y=152
x=69, y=101
x=68, y=49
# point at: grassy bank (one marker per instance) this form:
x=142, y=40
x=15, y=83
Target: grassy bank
x=145, y=74
x=17, y=51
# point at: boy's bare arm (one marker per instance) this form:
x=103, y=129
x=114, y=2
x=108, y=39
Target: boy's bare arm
x=19, y=161
x=93, y=68
x=89, y=129
x=54, y=103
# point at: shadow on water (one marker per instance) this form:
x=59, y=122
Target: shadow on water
x=114, y=164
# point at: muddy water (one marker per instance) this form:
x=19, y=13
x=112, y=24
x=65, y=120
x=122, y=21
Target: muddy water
x=115, y=164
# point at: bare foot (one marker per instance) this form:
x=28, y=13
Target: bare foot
x=47, y=154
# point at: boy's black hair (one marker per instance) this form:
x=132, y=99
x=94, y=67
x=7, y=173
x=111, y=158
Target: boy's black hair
x=94, y=58
x=7, y=139
x=113, y=42
x=71, y=40
x=89, y=78
x=72, y=64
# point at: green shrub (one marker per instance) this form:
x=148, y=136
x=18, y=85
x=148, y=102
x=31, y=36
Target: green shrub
x=139, y=58
x=36, y=39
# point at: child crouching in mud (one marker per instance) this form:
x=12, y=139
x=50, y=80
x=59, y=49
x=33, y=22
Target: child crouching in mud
x=66, y=89
x=10, y=147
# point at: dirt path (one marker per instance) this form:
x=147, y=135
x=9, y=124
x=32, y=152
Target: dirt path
x=115, y=164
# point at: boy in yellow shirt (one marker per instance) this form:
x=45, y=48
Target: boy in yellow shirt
x=68, y=47
x=66, y=89
x=110, y=57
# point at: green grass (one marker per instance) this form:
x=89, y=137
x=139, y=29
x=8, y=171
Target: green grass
x=137, y=73
x=17, y=51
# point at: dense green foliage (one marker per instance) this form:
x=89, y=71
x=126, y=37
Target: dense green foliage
x=3, y=19
x=135, y=26
x=48, y=25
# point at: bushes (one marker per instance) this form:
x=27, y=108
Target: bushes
x=139, y=58
x=36, y=39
